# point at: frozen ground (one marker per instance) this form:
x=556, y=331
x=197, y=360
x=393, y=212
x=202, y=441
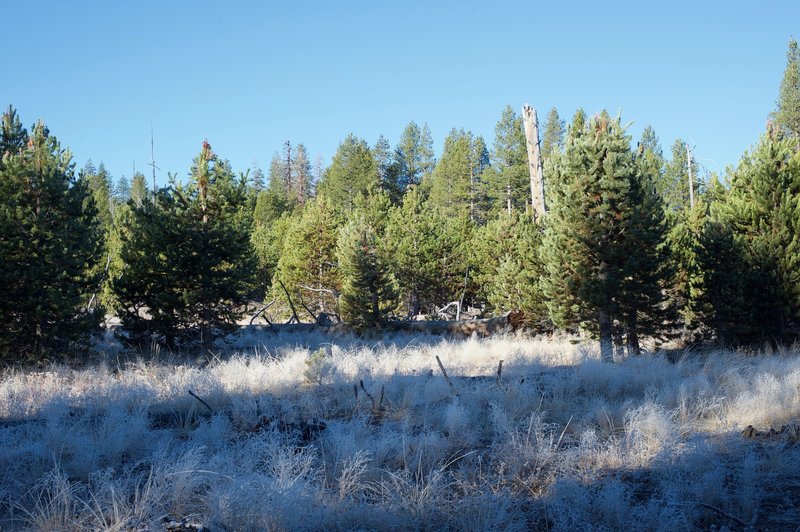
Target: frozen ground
x=310, y=432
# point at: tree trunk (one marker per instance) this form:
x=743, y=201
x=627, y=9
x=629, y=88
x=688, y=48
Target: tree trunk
x=206, y=338
x=531, y=123
x=633, y=336
x=619, y=348
x=606, y=343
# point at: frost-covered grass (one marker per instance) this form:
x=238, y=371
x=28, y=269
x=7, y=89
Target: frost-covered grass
x=294, y=440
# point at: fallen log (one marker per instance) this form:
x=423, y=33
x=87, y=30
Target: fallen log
x=459, y=328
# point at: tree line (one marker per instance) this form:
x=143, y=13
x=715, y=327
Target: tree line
x=629, y=248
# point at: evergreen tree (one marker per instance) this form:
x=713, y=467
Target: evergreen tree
x=456, y=184
x=366, y=286
x=272, y=218
x=585, y=247
x=428, y=254
x=139, y=192
x=414, y=155
x=480, y=163
x=508, y=184
x=387, y=169
x=277, y=177
x=268, y=240
x=724, y=267
x=122, y=190
x=763, y=209
x=258, y=178
x=578, y=125
x=787, y=113
x=553, y=136
x=646, y=269
x=685, y=241
x=353, y=172
x=188, y=258
x=13, y=137
x=49, y=245
x=507, y=268
x=100, y=185
x=301, y=175
x=307, y=266
x=673, y=184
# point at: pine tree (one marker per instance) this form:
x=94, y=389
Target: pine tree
x=307, y=266
x=122, y=190
x=553, y=137
x=508, y=183
x=787, y=112
x=49, y=245
x=387, y=169
x=688, y=288
x=188, y=258
x=578, y=125
x=366, y=286
x=139, y=192
x=507, y=268
x=763, y=209
x=353, y=172
x=584, y=244
x=13, y=137
x=301, y=175
x=258, y=178
x=673, y=184
x=646, y=269
x=276, y=178
x=724, y=267
x=456, y=185
x=429, y=253
x=100, y=185
x=414, y=155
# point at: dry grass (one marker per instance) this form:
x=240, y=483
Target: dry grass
x=342, y=433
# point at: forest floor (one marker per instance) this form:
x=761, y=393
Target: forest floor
x=307, y=431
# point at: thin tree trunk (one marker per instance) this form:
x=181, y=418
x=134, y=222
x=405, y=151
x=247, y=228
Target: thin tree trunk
x=619, y=348
x=606, y=343
x=633, y=336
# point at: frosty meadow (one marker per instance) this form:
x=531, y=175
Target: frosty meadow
x=340, y=433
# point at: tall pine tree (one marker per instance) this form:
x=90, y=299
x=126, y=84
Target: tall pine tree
x=49, y=246
x=366, y=287
x=787, y=112
x=763, y=209
x=188, y=258
x=590, y=230
x=352, y=172
x=414, y=155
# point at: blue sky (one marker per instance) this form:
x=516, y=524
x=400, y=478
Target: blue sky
x=250, y=75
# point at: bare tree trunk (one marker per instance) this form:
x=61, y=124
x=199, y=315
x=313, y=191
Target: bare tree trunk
x=606, y=344
x=531, y=123
x=633, y=336
x=619, y=348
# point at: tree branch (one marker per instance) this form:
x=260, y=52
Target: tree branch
x=261, y=311
x=291, y=305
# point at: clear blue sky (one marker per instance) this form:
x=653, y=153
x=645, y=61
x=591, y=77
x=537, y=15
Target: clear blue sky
x=250, y=75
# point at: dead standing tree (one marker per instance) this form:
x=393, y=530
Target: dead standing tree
x=531, y=125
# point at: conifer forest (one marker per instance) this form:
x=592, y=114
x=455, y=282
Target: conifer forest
x=558, y=328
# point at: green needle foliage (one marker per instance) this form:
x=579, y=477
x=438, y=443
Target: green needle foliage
x=307, y=266
x=508, y=268
x=763, y=210
x=603, y=211
x=366, y=286
x=787, y=114
x=50, y=242
x=188, y=258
